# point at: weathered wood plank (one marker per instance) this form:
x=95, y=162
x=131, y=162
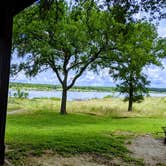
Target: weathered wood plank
x=5, y=54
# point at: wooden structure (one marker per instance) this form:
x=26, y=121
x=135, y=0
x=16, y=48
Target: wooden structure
x=7, y=10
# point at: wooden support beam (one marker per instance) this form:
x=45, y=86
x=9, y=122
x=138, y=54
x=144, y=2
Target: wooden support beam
x=17, y=5
x=5, y=54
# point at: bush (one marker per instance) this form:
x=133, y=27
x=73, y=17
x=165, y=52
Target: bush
x=20, y=94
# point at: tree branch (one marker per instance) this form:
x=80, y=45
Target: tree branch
x=58, y=75
x=54, y=68
x=67, y=56
x=84, y=68
x=74, y=65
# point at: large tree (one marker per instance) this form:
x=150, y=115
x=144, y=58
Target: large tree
x=69, y=38
x=66, y=41
x=137, y=48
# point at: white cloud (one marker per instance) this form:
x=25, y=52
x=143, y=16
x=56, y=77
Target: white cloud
x=162, y=28
x=156, y=75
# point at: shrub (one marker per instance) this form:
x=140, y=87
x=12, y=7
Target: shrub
x=20, y=94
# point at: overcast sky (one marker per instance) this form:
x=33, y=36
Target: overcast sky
x=156, y=75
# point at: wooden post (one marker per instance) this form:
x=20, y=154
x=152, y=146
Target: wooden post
x=5, y=54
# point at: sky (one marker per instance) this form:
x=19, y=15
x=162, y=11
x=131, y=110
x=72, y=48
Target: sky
x=156, y=75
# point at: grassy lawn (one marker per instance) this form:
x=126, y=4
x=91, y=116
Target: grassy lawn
x=90, y=127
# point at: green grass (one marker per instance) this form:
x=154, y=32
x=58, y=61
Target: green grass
x=90, y=126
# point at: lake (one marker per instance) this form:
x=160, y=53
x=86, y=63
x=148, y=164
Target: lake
x=74, y=95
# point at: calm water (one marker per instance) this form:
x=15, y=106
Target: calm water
x=72, y=95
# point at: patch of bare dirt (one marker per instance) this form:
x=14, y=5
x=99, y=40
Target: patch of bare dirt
x=7, y=163
x=76, y=160
x=151, y=150
x=14, y=112
x=58, y=160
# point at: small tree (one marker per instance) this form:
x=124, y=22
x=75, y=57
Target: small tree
x=20, y=94
x=136, y=49
x=66, y=41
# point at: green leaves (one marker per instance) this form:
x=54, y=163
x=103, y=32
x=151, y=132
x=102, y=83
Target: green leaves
x=67, y=40
x=137, y=46
x=72, y=38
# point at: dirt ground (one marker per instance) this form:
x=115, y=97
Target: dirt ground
x=151, y=150
x=57, y=160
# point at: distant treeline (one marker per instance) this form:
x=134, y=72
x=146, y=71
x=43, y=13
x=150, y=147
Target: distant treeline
x=29, y=86
x=26, y=86
x=13, y=85
x=158, y=89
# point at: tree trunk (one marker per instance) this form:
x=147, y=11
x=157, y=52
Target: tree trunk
x=130, y=106
x=63, y=102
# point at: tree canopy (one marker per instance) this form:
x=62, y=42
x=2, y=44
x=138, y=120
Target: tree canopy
x=137, y=47
x=66, y=42
x=69, y=36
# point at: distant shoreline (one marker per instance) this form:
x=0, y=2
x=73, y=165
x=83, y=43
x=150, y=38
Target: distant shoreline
x=49, y=87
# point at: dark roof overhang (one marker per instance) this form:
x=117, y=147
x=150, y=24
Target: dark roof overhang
x=15, y=6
